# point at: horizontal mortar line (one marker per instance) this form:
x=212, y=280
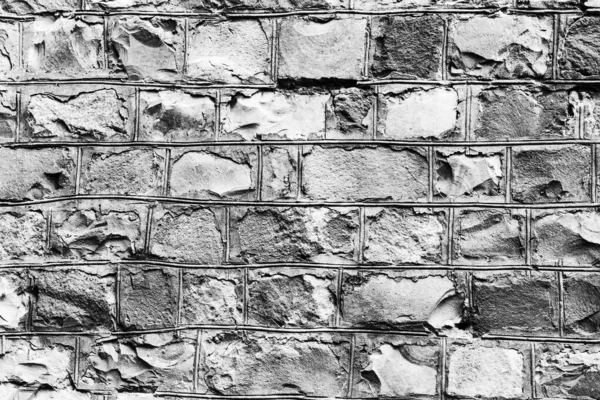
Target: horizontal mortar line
x=125, y=82
x=533, y=338
x=187, y=395
x=482, y=82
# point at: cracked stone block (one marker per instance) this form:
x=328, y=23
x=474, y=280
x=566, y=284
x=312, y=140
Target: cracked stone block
x=321, y=49
x=215, y=173
x=551, y=174
x=122, y=171
x=176, y=116
x=188, y=234
x=500, y=46
x=236, y=51
x=14, y=300
x=507, y=113
x=9, y=48
x=212, y=297
x=146, y=48
x=395, y=366
x=279, y=173
x=77, y=113
x=579, y=47
x=404, y=236
x=149, y=297
x=8, y=114
x=407, y=47
x=59, y=48
x=22, y=234
x=495, y=237
x=362, y=173
x=37, y=6
x=582, y=304
x=142, y=363
x=74, y=299
x=281, y=115
x=216, y=6
x=43, y=361
x=568, y=370
x=320, y=235
x=409, y=300
x=292, y=297
x=405, y=113
x=349, y=114
x=565, y=238
x=488, y=370
x=475, y=176
x=516, y=303
x=239, y=363
x=34, y=174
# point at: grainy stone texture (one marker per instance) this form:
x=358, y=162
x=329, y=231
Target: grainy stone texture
x=22, y=234
x=579, y=48
x=582, y=303
x=349, y=114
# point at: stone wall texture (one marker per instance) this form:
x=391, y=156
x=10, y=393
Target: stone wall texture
x=299, y=199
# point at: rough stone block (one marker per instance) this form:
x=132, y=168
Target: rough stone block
x=148, y=297
x=349, y=114
x=411, y=300
x=22, y=234
x=122, y=171
x=294, y=234
x=514, y=303
x=9, y=48
x=500, y=46
x=321, y=49
x=236, y=6
x=407, y=47
x=236, y=51
x=214, y=172
x=582, y=303
x=176, y=116
x=551, y=174
x=360, y=173
x=37, y=6
x=280, y=172
x=14, y=299
x=188, y=234
x=292, y=297
x=578, y=48
x=390, y=5
x=8, y=114
x=29, y=174
x=15, y=392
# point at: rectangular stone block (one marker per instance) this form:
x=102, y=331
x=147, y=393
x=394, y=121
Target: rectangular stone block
x=280, y=172
x=247, y=363
x=362, y=173
x=322, y=49
x=8, y=114
x=548, y=174
x=579, y=43
x=500, y=46
x=177, y=116
x=262, y=234
x=23, y=234
x=404, y=300
x=515, y=303
x=292, y=297
x=78, y=113
x=349, y=113
x=14, y=299
x=214, y=172
x=582, y=303
x=37, y=6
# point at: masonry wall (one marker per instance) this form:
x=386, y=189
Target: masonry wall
x=299, y=199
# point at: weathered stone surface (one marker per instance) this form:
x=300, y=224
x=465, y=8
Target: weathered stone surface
x=230, y=51
x=8, y=114
x=408, y=115
x=381, y=5
x=404, y=236
x=145, y=363
x=489, y=237
x=500, y=46
x=188, y=234
x=36, y=174
x=336, y=173
x=586, y=108
x=582, y=304
x=14, y=392
x=486, y=371
x=468, y=177
x=567, y=238
x=395, y=366
x=579, y=57
x=81, y=299
x=9, y=48
x=176, y=116
x=14, y=300
x=122, y=171
x=350, y=114
x=506, y=113
x=252, y=364
x=515, y=303
x=280, y=173
x=37, y=6
x=148, y=297
x=294, y=234
x=402, y=300
x=146, y=48
x=551, y=174
x=314, y=49
x=212, y=297
x=274, y=115
x=64, y=47
x=292, y=297
x=213, y=172
x=22, y=234
x=217, y=5
x=407, y=47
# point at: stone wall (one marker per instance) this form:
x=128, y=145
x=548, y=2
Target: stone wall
x=296, y=199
